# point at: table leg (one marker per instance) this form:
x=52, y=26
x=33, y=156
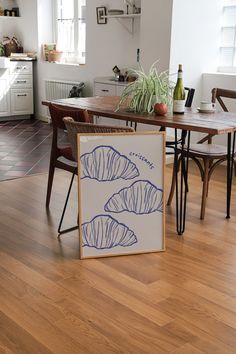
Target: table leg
x=230, y=166
x=181, y=184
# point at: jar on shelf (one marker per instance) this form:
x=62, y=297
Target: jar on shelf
x=7, y=12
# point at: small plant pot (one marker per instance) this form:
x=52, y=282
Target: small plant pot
x=160, y=109
x=54, y=56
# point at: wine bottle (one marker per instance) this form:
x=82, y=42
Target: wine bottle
x=179, y=94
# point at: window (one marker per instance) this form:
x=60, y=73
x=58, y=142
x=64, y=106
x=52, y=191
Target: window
x=228, y=37
x=70, y=29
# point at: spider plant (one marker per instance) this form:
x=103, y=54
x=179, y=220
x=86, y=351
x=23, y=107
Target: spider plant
x=148, y=89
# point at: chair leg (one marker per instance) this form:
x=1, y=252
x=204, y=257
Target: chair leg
x=210, y=165
x=235, y=168
x=50, y=181
x=205, y=188
x=60, y=232
x=172, y=188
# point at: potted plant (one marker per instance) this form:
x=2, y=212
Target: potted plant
x=149, y=92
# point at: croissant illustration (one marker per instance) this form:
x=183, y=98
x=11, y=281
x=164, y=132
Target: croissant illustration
x=142, y=197
x=104, y=232
x=105, y=163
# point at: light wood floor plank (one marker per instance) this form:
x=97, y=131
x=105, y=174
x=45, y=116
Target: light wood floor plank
x=181, y=301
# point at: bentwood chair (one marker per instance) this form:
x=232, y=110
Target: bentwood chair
x=73, y=128
x=64, y=151
x=206, y=155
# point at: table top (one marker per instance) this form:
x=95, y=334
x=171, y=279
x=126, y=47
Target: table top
x=210, y=123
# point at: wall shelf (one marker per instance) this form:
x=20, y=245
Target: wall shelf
x=7, y=17
x=130, y=17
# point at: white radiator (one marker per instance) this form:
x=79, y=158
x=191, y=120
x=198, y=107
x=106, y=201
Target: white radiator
x=56, y=89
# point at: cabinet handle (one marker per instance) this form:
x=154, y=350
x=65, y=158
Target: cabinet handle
x=23, y=95
x=21, y=81
x=21, y=67
x=105, y=90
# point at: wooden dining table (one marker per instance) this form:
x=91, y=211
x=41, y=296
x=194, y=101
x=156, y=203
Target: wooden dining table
x=217, y=123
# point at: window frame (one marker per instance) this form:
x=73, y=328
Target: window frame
x=76, y=19
x=229, y=68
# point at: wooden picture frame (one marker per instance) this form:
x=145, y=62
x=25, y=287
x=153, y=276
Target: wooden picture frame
x=101, y=12
x=111, y=222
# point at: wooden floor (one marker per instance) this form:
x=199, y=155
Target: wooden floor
x=180, y=301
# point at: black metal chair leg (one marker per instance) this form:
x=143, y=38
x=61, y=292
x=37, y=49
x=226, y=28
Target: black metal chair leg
x=182, y=189
x=176, y=181
x=60, y=232
x=230, y=167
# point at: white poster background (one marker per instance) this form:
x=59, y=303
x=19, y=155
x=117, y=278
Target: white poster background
x=146, y=151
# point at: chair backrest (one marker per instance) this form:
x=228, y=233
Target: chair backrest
x=73, y=128
x=58, y=113
x=218, y=93
x=189, y=99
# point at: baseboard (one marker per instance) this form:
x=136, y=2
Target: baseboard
x=43, y=118
x=11, y=118
x=169, y=159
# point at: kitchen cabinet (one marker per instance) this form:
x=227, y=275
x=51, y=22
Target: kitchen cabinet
x=21, y=102
x=107, y=86
x=4, y=93
x=16, y=91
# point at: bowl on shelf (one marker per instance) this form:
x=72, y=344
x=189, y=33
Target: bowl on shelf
x=54, y=55
x=115, y=12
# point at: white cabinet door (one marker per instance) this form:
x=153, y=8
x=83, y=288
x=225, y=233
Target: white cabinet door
x=21, y=67
x=108, y=89
x=4, y=94
x=104, y=90
x=21, y=81
x=119, y=90
x=21, y=102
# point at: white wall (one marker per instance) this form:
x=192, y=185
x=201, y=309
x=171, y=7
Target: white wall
x=106, y=46
x=194, y=40
x=155, y=36
x=23, y=27
x=173, y=31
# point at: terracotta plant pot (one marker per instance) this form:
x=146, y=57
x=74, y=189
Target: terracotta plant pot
x=160, y=109
x=54, y=55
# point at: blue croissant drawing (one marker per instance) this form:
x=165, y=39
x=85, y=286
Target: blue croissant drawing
x=104, y=232
x=105, y=164
x=142, y=197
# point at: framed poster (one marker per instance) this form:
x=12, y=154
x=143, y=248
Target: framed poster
x=121, y=193
x=46, y=48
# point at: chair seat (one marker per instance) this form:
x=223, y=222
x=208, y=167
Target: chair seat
x=66, y=152
x=208, y=149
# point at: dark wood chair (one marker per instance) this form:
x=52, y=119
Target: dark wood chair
x=205, y=154
x=73, y=128
x=57, y=114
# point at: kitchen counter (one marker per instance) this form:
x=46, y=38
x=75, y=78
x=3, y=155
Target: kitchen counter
x=22, y=59
x=109, y=80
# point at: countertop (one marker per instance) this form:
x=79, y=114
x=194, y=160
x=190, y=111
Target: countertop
x=109, y=80
x=22, y=59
